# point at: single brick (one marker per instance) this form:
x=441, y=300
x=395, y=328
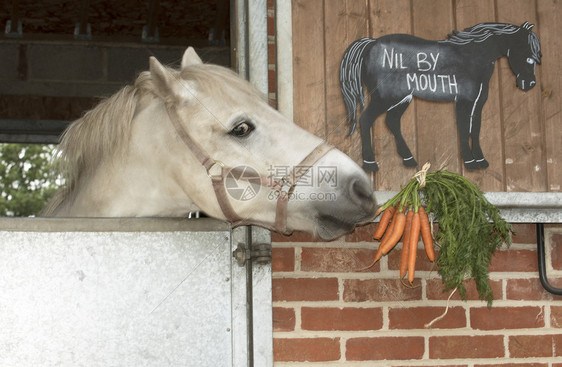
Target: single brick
x=270, y=26
x=525, y=346
x=436, y=290
x=464, y=346
x=514, y=261
x=524, y=233
x=306, y=349
x=271, y=81
x=528, y=289
x=483, y=318
x=514, y=365
x=363, y=234
x=326, y=318
x=283, y=259
x=556, y=316
x=398, y=348
x=335, y=259
x=294, y=237
x=283, y=319
x=305, y=289
x=556, y=250
x=418, y=317
x=557, y=341
x=380, y=290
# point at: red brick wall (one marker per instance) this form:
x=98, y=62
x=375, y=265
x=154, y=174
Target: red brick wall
x=326, y=310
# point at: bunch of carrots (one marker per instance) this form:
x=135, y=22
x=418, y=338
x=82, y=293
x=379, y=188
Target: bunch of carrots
x=470, y=229
x=406, y=223
x=403, y=217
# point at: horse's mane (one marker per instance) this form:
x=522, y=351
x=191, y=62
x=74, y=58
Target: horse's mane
x=103, y=133
x=481, y=32
x=93, y=138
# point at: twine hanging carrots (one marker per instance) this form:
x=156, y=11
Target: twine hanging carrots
x=470, y=229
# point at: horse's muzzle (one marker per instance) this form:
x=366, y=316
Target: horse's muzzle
x=525, y=84
x=355, y=204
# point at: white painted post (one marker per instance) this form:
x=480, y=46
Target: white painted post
x=284, y=52
x=257, y=44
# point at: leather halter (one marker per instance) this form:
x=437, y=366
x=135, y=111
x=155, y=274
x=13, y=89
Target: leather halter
x=288, y=182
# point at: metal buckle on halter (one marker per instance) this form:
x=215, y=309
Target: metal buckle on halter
x=286, y=182
x=216, y=176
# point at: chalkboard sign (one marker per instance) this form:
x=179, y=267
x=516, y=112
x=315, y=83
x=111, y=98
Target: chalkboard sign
x=397, y=67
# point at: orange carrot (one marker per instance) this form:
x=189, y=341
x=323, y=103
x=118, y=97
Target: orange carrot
x=385, y=238
x=383, y=223
x=387, y=234
x=425, y=231
x=388, y=242
x=396, y=234
x=406, y=244
x=414, y=238
x=390, y=227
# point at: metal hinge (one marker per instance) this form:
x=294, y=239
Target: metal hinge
x=261, y=253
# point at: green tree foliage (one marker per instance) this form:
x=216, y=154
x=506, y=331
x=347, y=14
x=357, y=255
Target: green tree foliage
x=27, y=181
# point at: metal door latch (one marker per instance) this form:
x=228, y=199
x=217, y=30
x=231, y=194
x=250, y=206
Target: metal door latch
x=261, y=253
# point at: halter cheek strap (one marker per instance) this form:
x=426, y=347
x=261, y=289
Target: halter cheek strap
x=292, y=179
x=288, y=182
x=207, y=162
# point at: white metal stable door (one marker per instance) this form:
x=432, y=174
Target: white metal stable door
x=112, y=296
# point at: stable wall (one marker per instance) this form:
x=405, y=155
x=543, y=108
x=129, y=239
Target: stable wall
x=328, y=314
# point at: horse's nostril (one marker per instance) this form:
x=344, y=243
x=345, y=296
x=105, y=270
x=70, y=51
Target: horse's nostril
x=361, y=190
x=361, y=194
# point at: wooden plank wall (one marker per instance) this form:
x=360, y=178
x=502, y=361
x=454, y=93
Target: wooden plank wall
x=521, y=132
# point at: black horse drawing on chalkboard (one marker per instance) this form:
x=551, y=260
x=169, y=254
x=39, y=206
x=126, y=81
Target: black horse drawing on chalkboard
x=397, y=67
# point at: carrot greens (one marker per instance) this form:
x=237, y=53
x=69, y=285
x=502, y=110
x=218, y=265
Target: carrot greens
x=470, y=231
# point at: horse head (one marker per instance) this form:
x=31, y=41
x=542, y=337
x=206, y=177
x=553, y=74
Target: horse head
x=254, y=150
x=523, y=57
x=203, y=139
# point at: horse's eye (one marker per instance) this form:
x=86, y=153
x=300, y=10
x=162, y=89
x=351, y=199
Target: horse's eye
x=242, y=129
x=530, y=60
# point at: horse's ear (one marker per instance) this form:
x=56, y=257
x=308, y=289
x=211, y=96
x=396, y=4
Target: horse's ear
x=166, y=84
x=160, y=76
x=189, y=58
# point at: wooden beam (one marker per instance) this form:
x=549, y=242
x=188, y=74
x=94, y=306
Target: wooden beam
x=31, y=130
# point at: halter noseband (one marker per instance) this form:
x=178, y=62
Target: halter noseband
x=288, y=182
